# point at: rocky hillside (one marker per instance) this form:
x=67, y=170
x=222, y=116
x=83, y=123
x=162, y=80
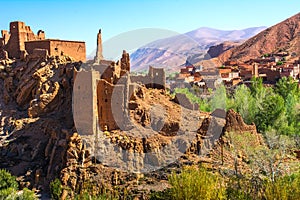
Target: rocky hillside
x=215, y=51
x=174, y=51
x=284, y=36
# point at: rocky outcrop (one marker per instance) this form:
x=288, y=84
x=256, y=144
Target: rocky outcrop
x=38, y=85
x=78, y=161
x=36, y=118
x=215, y=128
x=38, y=106
x=184, y=101
x=235, y=123
x=152, y=108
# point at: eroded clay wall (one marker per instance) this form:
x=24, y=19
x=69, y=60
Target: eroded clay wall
x=43, y=44
x=140, y=79
x=71, y=48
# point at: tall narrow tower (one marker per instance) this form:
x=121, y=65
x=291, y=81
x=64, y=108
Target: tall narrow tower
x=99, y=55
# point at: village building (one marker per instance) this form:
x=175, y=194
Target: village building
x=229, y=75
x=233, y=72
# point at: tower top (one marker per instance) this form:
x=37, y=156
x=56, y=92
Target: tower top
x=99, y=55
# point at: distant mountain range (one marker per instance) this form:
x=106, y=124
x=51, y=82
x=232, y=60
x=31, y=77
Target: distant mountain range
x=284, y=36
x=172, y=52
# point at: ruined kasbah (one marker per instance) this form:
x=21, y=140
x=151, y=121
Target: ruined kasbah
x=96, y=80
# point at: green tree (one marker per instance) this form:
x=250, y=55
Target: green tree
x=271, y=111
x=288, y=89
x=244, y=103
x=290, y=105
x=287, y=86
x=219, y=98
x=256, y=86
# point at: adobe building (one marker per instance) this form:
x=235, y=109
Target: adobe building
x=20, y=41
x=74, y=49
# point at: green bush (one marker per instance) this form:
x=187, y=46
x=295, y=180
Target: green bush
x=7, y=180
x=161, y=195
x=9, y=188
x=194, y=183
x=242, y=188
x=191, y=96
x=237, y=194
x=27, y=195
x=284, y=188
x=87, y=196
x=8, y=193
x=56, y=189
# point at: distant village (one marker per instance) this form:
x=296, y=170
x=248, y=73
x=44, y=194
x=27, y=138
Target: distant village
x=269, y=67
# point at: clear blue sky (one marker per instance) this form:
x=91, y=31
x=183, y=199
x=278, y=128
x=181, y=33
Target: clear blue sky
x=80, y=20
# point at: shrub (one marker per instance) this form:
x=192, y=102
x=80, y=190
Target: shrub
x=56, y=189
x=7, y=180
x=87, y=196
x=194, y=183
x=237, y=194
x=9, y=188
x=242, y=188
x=161, y=195
x=284, y=188
x=8, y=193
x=27, y=195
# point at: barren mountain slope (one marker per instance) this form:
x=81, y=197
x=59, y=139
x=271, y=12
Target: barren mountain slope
x=284, y=36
